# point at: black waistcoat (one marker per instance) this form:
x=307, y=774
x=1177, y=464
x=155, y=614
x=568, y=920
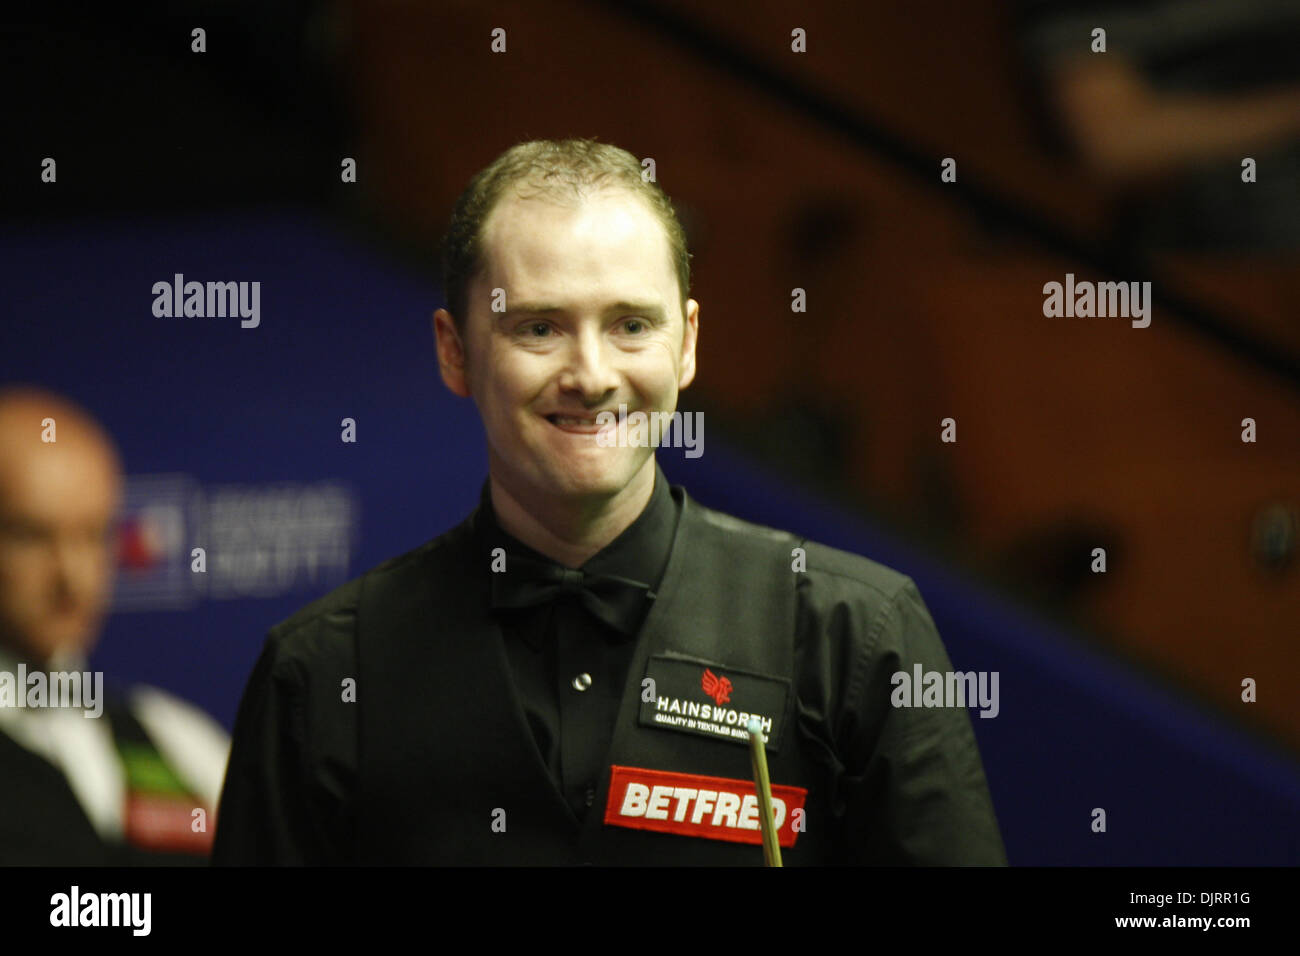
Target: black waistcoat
x=444, y=744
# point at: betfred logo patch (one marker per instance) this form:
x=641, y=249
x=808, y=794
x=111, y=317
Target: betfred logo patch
x=703, y=697
x=712, y=808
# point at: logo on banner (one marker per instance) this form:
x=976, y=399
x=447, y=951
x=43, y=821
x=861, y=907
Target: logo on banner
x=710, y=808
x=159, y=516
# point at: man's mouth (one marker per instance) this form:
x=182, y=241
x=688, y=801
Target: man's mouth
x=584, y=425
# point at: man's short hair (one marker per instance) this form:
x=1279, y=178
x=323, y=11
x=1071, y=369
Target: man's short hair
x=559, y=170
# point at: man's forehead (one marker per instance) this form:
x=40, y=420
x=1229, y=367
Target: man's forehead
x=54, y=506
x=609, y=203
x=79, y=474
x=610, y=236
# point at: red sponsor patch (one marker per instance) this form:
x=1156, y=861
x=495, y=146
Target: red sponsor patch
x=165, y=824
x=714, y=808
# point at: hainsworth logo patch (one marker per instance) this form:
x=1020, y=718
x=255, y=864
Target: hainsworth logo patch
x=713, y=808
x=713, y=700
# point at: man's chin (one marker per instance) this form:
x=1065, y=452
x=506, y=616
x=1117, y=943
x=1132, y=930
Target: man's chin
x=593, y=477
x=42, y=653
x=591, y=484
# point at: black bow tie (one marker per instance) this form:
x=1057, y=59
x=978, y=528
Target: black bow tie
x=619, y=602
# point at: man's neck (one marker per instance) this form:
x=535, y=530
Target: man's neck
x=571, y=532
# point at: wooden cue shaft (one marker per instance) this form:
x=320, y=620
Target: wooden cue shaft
x=758, y=754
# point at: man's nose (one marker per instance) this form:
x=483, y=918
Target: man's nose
x=81, y=565
x=589, y=367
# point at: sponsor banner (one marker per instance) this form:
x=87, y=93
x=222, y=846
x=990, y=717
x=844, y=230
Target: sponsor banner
x=183, y=541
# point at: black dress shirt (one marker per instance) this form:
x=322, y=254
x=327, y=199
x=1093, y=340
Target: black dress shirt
x=569, y=667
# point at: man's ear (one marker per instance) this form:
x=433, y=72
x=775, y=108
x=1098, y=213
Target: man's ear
x=451, y=354
x=690, y=335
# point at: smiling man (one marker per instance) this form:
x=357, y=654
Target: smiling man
x=595, y=318
x=564, y=677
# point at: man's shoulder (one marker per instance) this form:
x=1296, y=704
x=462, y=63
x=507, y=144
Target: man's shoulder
x=849, y=570
x=332, y=617
x=836, y=569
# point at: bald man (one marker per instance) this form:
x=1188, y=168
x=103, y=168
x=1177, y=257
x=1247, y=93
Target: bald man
x=88, y=775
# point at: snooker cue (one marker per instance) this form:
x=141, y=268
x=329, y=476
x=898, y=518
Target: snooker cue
x=771, y=848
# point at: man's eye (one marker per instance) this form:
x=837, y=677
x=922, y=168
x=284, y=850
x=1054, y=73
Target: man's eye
x=535, y=326
x=635, y=326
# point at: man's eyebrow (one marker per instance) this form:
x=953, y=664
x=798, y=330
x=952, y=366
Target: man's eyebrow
x=652, y=309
